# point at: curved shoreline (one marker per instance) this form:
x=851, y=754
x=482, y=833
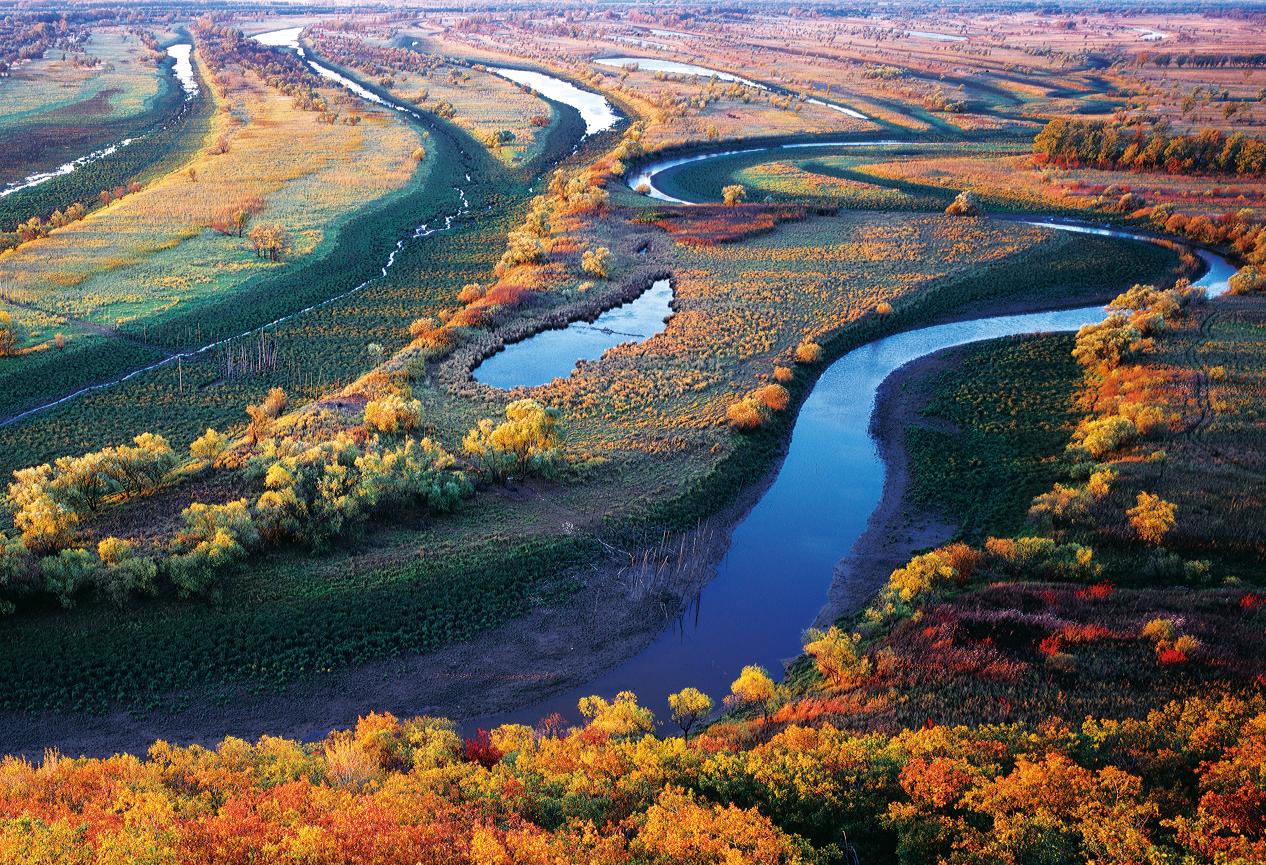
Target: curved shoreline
x=505, y=674
x=466, y=680
x=894, y=531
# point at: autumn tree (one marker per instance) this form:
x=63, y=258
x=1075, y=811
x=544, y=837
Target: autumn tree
x=393, y=414
x=263, y=414
x=733, y=194
x=209, y=446
x=689, y=706
x=597, y=262
x=808, y=352
x=753, y=689
x=269, y=240
x=838, y=656
x=619, y=717
x=1152, y=517
x=963, y=205
x=527, y=441
x=9, y=334
x=746, y=414
x=1247, y=280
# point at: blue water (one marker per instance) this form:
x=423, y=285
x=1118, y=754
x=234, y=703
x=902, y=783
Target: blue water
x=781, y=561
x=553, y=354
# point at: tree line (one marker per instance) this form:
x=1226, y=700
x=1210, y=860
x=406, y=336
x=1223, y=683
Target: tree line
x=1104, y=144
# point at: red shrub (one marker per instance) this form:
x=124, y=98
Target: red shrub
x=1171, y=656
x=481, y=750
x=1097, y=592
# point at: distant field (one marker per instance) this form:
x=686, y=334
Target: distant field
x=145, y=269
x=53, y=108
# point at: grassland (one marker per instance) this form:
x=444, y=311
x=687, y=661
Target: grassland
x=58, y=107
x=992, y=428
x=153, y=254
x=148, y=274
x=513, y=123
x=645, y=425
x=1075, y=678
x=1205, y=376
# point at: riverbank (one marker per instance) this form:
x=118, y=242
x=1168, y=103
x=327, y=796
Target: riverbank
x=574, y=635
x=897, y=529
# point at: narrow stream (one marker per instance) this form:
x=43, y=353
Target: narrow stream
x=554, y=354
x=938, y=37
x=188, y=83
x=782, y=556
x=643, y=180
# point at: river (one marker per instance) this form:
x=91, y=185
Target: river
x=594, y=108
x=287, y=38
x=782, y=557
x=672, y=67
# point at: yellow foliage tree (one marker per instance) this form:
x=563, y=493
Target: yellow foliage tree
x=1152, y=517
x=526, y=442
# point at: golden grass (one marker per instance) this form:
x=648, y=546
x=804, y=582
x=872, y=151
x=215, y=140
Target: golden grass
x=153, y=250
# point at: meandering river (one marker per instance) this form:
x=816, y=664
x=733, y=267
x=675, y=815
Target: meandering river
x=287, y=38
x=774, y=579
x=594, y=108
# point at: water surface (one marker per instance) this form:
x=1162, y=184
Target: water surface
x=675, y=68
x=643, y=179
x=184, y=68
x=776, y=574
x=554, y=354
x=939, y=37
x=781, y=562
x=188, y=83
x=594, y=108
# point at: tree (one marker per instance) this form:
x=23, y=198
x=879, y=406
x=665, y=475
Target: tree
x=689, y=706
x=772, y=396
x=269, y=240
x=67, y=572
x=1247, y=280
x=9, y=335
x=808, y=352
x=392, y=414
x=964, y=205
x=1152, y=517
x=753, y=689
x=733, y=194
x=216, y=537
x=209, y=446
x=838, y=655
x=522, y=247
x=746, y=414
x=620, y=717
x=526, y=442
x=263, y=414
x=597, y=262
x=124, y=573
